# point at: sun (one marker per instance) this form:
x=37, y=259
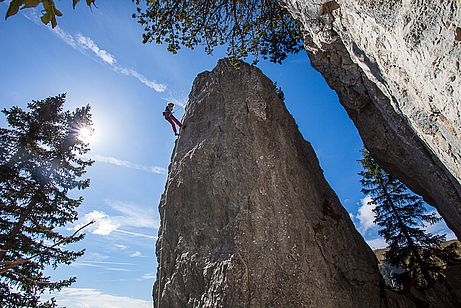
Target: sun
x=85, y=134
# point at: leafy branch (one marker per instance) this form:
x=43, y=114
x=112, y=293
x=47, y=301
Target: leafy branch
x=49, y=12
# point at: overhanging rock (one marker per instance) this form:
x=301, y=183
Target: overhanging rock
x=396, y=68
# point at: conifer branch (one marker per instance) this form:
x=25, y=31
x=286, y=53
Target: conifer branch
x=11, y=264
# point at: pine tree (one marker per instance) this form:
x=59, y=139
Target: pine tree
x=402, y=217
x=40, y=163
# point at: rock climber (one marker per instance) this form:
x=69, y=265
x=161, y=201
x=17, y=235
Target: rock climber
x=168, y=114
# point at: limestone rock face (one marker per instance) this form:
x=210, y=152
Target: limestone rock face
x=248, y=219
x=396, y=68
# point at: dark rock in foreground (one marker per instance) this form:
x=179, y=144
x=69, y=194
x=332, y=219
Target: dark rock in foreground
x=248, y=219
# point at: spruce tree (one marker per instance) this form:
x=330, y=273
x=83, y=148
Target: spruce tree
x=40, y=163
x=402, y=217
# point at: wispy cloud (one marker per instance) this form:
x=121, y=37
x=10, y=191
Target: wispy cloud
x=439, y=228
x=84, y=43
x=127, y=164
x=121, y=247
x=66, y=37
x=87, y=43
x=131, y=72
x=148, y=276
x=93, y=260
x=134, y=215
x=105, y=267
x=136, y=254
x=178, y=101
x=377, y=243
x=137, y=234
x=96, y=257
x=128, y=215
x=92, y=298
x=365, y=215
x=107, y=262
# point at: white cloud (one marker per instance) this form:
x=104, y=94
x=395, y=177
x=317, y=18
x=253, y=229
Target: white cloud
x=88, y=261
x=377, y=243
x=107, y=262
x=148, y=276
x=136, y=254
x=96, y=256
x=32, y=15
x=133, y=215
x=87, y=43
x=439, y=228
x=137, y=234
x=127, y=164
x=92, y=298
x=107, y=268
x=129, y=215
x=66, y=37
x=181, y=102
x=82, y=43
x=365, y=215
x=121, y=247
x=158, y=87
x=103, y=223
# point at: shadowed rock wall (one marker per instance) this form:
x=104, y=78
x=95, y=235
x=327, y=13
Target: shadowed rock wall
x=396, y=68
x=248, y=219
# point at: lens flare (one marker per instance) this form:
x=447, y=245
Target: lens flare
x=85, y=134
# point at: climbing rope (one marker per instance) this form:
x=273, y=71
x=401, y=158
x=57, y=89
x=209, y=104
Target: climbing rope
x=160, y=261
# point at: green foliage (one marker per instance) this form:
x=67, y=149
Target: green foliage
x=402, y=216
x=261, y=28
x=40, y=162
x=49, y=11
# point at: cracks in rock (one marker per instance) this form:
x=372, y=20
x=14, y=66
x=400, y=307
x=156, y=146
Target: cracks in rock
x=372, y=66
x=351, y=281
x=332, y=264
x=246, y=277
x=327, y=210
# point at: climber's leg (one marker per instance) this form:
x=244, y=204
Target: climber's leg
x=172, y=124
x=176, y=121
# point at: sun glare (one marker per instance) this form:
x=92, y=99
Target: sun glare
x=85, y=134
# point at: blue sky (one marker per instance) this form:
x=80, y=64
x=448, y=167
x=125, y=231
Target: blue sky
x=97, y=57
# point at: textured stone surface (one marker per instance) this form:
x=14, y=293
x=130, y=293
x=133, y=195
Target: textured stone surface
x=396, y=68
x=248, y=219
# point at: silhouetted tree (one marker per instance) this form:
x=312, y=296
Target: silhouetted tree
x=40, y=163
x=402, y=216
x=261, y=28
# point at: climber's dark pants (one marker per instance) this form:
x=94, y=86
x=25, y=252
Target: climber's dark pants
x=173, y=120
